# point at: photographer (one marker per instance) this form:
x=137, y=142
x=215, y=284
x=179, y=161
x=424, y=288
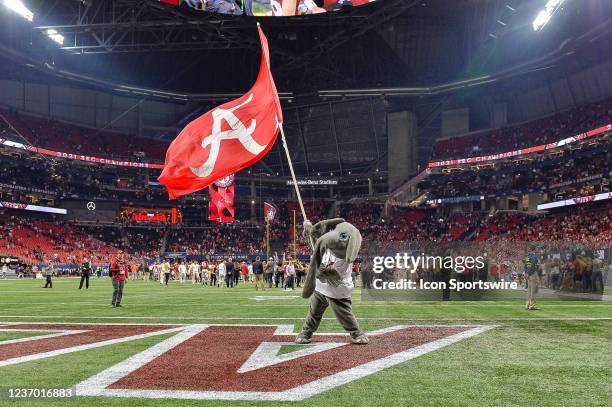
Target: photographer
x=118, y=273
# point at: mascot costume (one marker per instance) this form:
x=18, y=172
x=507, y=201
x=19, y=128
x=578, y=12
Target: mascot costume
x=328, y=282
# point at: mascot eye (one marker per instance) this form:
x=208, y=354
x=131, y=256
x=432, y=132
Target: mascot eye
x=344, y=236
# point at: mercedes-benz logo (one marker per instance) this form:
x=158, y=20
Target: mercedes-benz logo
x=91, y=206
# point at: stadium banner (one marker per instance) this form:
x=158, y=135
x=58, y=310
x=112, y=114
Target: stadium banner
x=458, y=199
x=35, y=208
x=79, y=157
x=524, y=151
x=313, y=182
x=221, y=208
x=27, y=189
x=579, y=200
x=578, y=181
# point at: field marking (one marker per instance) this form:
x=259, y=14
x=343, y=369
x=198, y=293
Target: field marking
x=38, y=337
x=97, y=384
x=266, y=354
x=300, y=318
x=103, y=304
x=44, y=355
x=13, y=323
x=274, y=298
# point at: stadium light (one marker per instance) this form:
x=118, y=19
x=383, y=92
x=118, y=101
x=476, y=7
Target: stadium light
x=55, y=36
x=18, y=7
x=545, y=15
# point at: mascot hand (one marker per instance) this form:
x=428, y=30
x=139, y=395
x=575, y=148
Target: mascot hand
x=307, y=228
x=329, y=276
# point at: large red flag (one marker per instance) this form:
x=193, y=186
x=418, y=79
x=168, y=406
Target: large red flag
x=226, y=139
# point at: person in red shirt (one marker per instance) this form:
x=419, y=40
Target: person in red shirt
x=244, y=270
x=118, y=272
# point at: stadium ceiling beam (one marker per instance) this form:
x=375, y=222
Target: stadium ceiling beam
x=141, y=26
x=389, y=10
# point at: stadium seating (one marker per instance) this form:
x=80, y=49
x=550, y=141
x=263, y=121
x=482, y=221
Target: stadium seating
x=68, y=138
x=550, y=129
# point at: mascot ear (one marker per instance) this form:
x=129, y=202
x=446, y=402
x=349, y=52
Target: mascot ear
x=354, y=244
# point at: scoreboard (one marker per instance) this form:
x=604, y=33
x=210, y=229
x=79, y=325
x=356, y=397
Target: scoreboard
x=151, y=215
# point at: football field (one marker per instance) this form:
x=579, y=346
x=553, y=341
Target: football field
x=172, y=345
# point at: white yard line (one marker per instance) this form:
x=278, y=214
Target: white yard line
x=298, y=318
x=79, y=348
x=38, y=337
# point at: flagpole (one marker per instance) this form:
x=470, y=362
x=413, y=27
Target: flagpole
x=267, y=237
x=295, y=184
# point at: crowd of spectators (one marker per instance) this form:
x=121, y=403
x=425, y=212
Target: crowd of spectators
x=550, y=129
x=37, y=241
x=222, y=238
x=584, y=170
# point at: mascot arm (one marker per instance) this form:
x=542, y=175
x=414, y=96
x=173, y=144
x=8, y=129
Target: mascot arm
x=329, y=276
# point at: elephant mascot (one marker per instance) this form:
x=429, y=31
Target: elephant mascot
x=328, y=281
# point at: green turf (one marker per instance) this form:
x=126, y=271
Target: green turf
x=6, y=336
x=557, y=356
x=291, y=348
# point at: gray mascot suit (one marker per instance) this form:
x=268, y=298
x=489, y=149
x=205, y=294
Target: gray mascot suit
x=329, y=282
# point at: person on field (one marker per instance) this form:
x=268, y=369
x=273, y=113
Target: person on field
x=244, y=270
x=118, y=272
x=212, y=272
x=134, y=271
x=269, y=272
x=146, y=271
x=48, y=273
x=229, y=273
x=85, y=273
x=258, y=272
x=166, y=270
x=221, y=269
x=533, y=274
x=194, y=271
x=279, y=274
x=290, y=273
x=204, y=272
x=182, y=269
x=236, y=274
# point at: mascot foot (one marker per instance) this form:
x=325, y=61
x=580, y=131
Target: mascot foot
x=360, y=340
x=302, y=339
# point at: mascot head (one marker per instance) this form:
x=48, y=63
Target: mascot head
x=337, y=236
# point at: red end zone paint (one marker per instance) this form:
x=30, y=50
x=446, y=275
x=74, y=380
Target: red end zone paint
x=77, y=337
x=228, y=362
x=210, y=360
